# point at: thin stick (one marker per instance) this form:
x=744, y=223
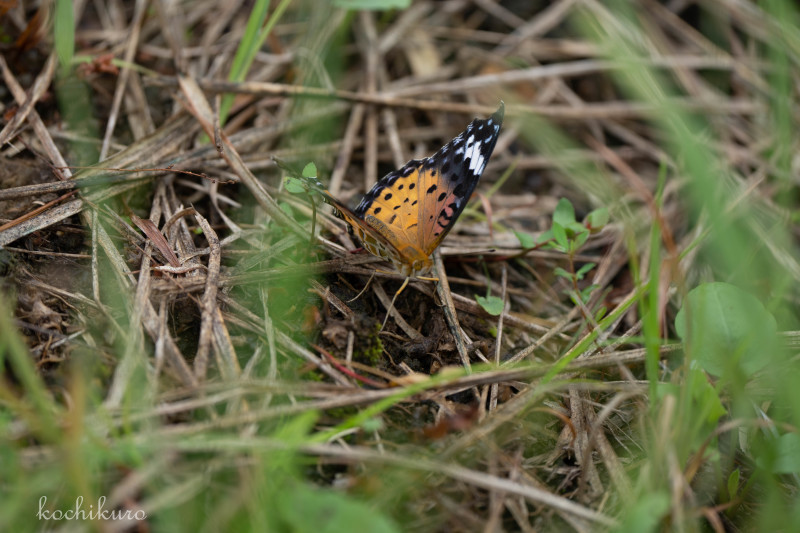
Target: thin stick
x=443, y=288
x=390, y=310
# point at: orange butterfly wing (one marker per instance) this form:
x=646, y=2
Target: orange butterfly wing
x=377, y=241
x=408, y=212
x=420, y=202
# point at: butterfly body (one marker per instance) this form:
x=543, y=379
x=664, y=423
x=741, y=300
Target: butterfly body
x=408, y=212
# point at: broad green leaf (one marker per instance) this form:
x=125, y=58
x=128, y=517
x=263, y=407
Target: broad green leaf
x=372, y=4
x=293, y=185
x=491, y=304
x=707, y=405
x=727, y=327
x=310, y=171
x=525, y=240
x=286, y=208
x=575, y=228
x=544, y=237
x=560, y=236
x=580, y=238
x=564, y=213
x=308, y=509
x=645, y=513
x=788, y=450
x=597, y=219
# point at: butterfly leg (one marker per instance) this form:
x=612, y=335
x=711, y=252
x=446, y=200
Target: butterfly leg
x=391, y=305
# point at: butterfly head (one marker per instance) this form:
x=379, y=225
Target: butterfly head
x=417, y=268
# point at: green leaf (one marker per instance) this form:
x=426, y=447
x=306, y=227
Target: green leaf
x=296, y=429
x=491, y=304
x=293, y=185
x=574, y=228
x=707, y=405
x=733, y=484
x=544, y=237
x=308, y=509
x=286, y=208
x=372, y=4
x=645, y=513
x=580, y=238
x=259, y=26
x=600, y=313
x=788, y=450
x=597, y=219
x=310, y=171
x=583, y=270
x=373, y=424
x=64, y=32
x=564, y=213
x=525, y=240
x=558, y=271
x=560, y=236
x=727, y=327
x=587, y=292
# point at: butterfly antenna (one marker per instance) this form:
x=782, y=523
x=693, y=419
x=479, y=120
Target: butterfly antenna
x=391, y=305
x=357, y=296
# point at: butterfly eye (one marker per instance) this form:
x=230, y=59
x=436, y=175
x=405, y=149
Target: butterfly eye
x=421, y=266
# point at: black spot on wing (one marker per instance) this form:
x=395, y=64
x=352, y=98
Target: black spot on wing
x=454, y=168
x=367, y=200
x=388, y=181
x=463, y=189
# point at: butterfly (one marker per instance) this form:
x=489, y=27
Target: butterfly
x=408, y=212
